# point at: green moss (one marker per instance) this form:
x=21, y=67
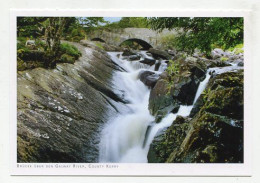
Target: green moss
x=20, y=65
x=75, y=34
x=225, y=96
x=98, y=44
x=237, y=49
x=70, y=50
x=223, y=59
x=168, y=41
x=65, y=58
x=39, y=57
x=166, y=143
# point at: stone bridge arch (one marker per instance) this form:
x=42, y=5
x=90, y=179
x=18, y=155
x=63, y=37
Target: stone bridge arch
x=146, y=37
x=141, y=42
x=98, y=39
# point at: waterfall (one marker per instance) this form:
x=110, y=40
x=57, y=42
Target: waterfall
x=123, y=137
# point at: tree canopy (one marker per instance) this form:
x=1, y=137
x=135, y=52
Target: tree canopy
x=127, y=22
x=202, y=32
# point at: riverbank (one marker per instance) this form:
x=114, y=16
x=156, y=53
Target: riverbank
x=132, y=106
x=60, y=111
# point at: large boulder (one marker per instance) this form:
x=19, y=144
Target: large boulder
x=148, y=61
x=180, y=88
x=148, y=78
x=215, y=132
x=128, y=52
x=172, y=52
x=60, y=111
x=169, y=139
x=217, y=53
x=213, y=63
x=221, y=92
x=134, y=57
x=160, y=54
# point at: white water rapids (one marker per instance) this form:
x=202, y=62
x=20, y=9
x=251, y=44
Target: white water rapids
x=122, y=139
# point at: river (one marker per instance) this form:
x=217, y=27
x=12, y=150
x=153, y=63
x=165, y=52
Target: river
x=125, y=138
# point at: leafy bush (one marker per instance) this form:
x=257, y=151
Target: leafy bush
x=202, y=32
x=70, y=50
x=23, y=65
x=22, y=39
x=40, y=45
x=173, y=68
x=237, y=49
x=65, y=58
x=75, y=34
x=21, y=43
x=169, y=41
x=29, y=59
x=223, y=59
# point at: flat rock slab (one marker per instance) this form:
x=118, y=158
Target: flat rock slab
x=60, y=111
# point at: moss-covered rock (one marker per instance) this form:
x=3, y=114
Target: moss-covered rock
x=65, y=58
x=176, y=86
x=214, y=134
x=168, y=140
x=39, y=57
x=211, y=139
x=223, y=95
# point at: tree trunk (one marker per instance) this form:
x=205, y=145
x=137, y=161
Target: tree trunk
x=53, y=35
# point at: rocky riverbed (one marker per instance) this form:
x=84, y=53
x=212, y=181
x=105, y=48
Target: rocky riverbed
x=213, y=131
x=193, y=115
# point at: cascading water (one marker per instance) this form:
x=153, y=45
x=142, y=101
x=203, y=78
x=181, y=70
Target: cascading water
x=123, y=137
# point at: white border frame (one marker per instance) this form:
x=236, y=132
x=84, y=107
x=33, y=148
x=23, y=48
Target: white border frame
x=136, y=169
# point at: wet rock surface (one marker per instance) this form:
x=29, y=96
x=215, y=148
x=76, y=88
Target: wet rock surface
x=170, y=139
x=134, y=57
x=128, y=52
x=102, y=46
x=148, y=61
x=160, y=54
x=148, y=78
x=215, y=131
x=60, y=111
x=170, y=92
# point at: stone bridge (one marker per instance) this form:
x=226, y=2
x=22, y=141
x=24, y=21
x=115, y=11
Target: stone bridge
x=147, y=38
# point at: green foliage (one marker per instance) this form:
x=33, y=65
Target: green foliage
x=205, y=94
x=30, y=26
x=21, y=43
x=98, y=44
x=169, y=41
x=137, y=22
x=91, y=21
x=223, y=59
x=126, y=22
x=173, y=68
x=40, y=45
x=202, y=33
x=70, y=50
x=65, y=58
x=76, y=34
x=22, y=39
x=29, y=59
x=237, y=49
